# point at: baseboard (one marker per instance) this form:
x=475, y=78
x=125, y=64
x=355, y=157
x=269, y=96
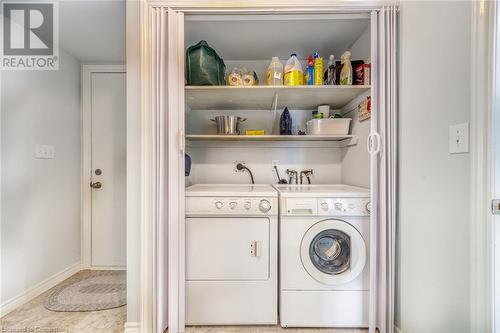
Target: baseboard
x=38, y=289
x=132, y=327
x=397, y=329
x=107, y=268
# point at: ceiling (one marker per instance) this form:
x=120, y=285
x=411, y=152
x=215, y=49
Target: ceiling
x=93, y=30
x=261, y=37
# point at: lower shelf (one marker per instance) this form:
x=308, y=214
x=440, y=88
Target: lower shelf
x=305, y=141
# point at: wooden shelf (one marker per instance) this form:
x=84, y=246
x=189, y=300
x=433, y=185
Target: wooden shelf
x=262, y=97
x=305, y=141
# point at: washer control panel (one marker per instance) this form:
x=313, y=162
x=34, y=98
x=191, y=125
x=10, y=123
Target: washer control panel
x=326, y=206
x=231, y=206
x=344, y=206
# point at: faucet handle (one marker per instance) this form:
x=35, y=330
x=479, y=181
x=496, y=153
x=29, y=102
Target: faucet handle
x=292, y=174
x=309, y=172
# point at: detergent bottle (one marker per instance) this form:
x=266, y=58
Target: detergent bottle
x=293, y=72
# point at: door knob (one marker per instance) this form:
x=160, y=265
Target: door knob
x=96, y=185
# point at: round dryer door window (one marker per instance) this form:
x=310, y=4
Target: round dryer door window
x=333, y=252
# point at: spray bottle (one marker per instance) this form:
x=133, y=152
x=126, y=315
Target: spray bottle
x=318, y=70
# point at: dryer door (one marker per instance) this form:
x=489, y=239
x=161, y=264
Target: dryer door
x=227, y=248
x=333, y=252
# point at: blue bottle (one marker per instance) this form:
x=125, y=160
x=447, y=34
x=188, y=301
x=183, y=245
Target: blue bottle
x=286, y=123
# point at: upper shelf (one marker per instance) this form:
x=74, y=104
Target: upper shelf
x=262, y=97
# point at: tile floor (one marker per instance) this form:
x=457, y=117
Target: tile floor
x=267, y=329
x=34, y=317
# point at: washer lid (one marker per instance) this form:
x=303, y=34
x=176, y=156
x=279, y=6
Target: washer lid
x=322, y=191
x=231, y=190
x=333, y=252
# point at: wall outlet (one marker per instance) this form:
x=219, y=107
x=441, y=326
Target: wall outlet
x=45, y=151
x=236, y=163
x=459, y=138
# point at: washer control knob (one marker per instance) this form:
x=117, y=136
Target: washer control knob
x=324, y=206
x=218, y=204
x=247, y=205
x=264, y=206
x=232, y=204
x=369, y=207
x=338, y=206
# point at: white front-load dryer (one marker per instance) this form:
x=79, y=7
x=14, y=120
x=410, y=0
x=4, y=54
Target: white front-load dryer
x=324, y=256
x=231, y=254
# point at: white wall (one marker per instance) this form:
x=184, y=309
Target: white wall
x=355, y=159
x=40, y=231
x=217, y=165
x=433, y=185
x=360, y=49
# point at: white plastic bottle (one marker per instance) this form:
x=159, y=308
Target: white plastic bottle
x=275, y=72
x=293, y=72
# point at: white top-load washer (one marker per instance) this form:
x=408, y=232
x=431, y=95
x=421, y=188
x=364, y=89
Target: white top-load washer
x=231, y=254
x=324, y=255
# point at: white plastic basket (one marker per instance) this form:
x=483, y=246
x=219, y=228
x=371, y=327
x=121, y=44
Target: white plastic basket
x=330, y=126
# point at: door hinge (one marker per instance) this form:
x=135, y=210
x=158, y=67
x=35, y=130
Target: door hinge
x=495, y=206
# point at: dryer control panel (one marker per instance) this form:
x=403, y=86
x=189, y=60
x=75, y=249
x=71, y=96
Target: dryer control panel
x=231, y=206
x=326, y=206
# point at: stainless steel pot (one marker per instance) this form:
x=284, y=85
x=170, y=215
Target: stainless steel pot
x=228, y=125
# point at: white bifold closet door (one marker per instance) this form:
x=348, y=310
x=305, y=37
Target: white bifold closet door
x=383, y=149
x=167, y=87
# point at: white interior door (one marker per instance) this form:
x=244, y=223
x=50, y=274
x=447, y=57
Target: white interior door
x=108, y=146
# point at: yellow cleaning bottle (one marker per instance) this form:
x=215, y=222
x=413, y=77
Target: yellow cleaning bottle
x=293, y=72
x=318, y=70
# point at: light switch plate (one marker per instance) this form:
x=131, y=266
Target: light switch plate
x=459, y=138
x=45, y=151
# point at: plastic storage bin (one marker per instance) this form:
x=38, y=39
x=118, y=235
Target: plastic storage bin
x=330, y=126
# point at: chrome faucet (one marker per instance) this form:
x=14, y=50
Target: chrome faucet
x=308, y=174
x=291, y=175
